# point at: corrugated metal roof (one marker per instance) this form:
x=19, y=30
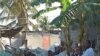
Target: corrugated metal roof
x=10, y=32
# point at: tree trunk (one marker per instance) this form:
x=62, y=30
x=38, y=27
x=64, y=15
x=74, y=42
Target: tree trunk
x=67, y=42
x=0, y=42
x=10, y=40
x=1, y=48
x=82, y=26
x=23, y=20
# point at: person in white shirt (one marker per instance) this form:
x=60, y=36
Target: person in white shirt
x=89, y=50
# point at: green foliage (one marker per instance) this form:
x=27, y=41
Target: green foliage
x=36, y=2
x=91, y=6
x=97, y=20
x=44, y=24
x=65, y=17
x=15, y=8
x=18, y=8
x=75, y=9
x=65, y=4
x=57, y=22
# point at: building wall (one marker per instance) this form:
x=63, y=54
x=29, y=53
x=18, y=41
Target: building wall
x=34, y=40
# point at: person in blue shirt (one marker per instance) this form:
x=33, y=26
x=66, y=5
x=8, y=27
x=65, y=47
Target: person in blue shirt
x=88, y=49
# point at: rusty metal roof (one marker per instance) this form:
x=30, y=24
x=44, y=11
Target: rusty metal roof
x=10, y=32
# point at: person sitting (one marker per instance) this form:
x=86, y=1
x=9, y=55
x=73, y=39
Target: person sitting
x=58, y=48
x=75, y=53
x=89, y=50
x=63, y=51
x=29, y=53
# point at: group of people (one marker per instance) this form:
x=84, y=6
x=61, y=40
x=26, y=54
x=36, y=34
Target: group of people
x=18, y=52
x=60, y=50
x=87, y=50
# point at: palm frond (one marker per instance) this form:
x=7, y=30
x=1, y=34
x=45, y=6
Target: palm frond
x=1, y=5
x=57, y=21
x=4, y=3
x=65, y=4
x=91, y=6
x=67, y=16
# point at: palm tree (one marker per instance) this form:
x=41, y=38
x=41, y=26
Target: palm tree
x=39, y=15
x=24, y=7
x=78, y=10
x=63, y=22
x=87, y=17
x=19, y=9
